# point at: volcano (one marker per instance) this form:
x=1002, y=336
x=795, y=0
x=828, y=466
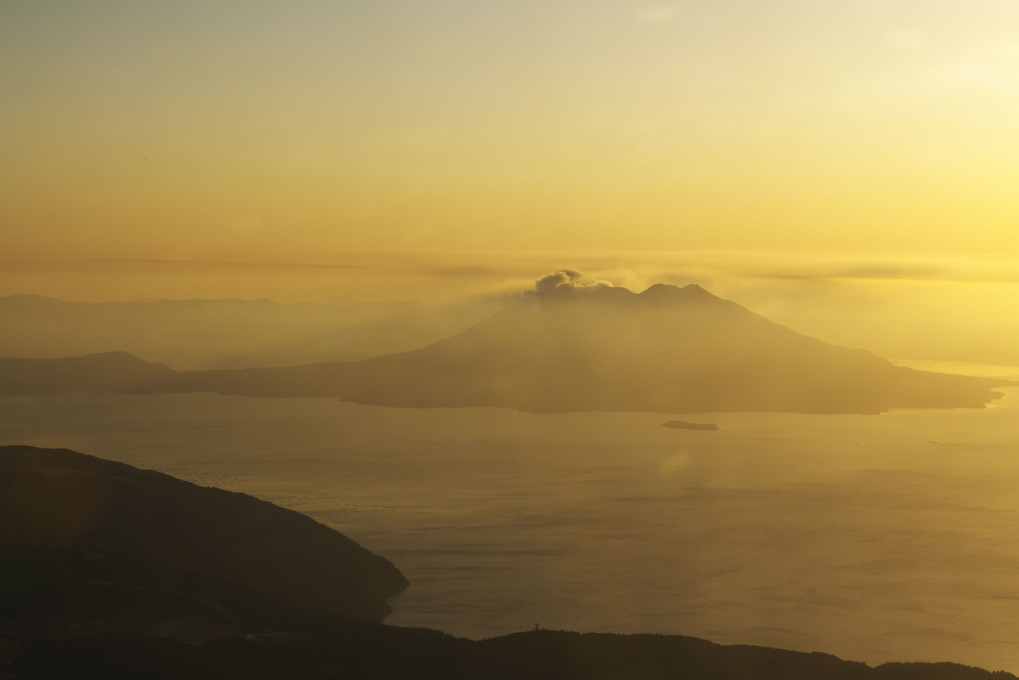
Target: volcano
x=668, y=349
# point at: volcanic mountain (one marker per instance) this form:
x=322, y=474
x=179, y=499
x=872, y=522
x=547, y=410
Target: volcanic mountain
x=667, y=349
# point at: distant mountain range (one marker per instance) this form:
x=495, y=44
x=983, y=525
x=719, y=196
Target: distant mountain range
x=105, y=372
x=111, y=572
x=196, y=334
x=667, y=349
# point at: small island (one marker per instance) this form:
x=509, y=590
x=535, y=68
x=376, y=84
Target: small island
x=683, y=425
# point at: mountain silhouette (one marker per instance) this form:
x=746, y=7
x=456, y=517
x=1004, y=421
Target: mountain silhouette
x=86, y=520
x=103, y=372
x=668, y=349
x=110, y=572
x=202, y=333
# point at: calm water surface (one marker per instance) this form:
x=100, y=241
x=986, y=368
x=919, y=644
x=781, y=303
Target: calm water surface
x=875, y=538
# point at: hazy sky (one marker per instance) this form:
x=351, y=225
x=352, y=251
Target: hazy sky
x=306, y=129
x=847, y=168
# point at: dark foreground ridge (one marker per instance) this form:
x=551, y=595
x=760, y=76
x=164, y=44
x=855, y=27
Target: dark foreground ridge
x=382, y=653
x=79, y=598
x=82, y=520
x=668, y=349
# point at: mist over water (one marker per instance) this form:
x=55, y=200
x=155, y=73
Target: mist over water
x=874, y=538
x=354, y=199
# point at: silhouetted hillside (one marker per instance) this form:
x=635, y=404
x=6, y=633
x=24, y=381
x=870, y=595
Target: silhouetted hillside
x=667, y=349
x=107, y=372
x=228, y=333
x=83, y=519
x=111, y=572
x=382, y=652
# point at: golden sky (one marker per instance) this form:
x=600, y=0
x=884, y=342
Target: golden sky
x=829, y=164
x=263, y=130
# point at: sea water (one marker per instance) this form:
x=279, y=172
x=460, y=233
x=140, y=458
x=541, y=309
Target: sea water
x=875, y=538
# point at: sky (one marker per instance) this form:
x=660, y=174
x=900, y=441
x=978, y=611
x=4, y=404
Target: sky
x=199, y=147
